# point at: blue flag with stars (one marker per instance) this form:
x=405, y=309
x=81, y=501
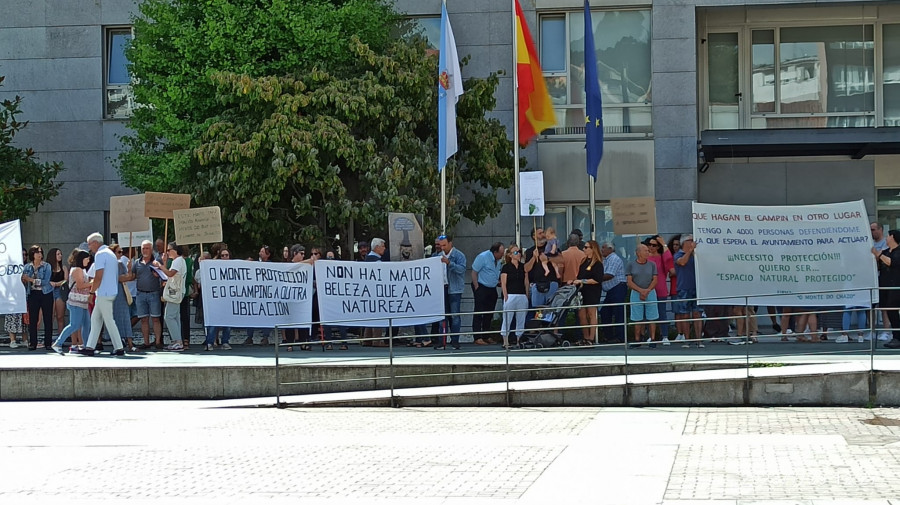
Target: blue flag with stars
x=593, y=120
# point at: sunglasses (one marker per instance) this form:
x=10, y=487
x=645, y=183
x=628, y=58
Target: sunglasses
x=515, y=253
x=316, y=253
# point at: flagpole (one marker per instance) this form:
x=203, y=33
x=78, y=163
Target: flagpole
x=515, y=76
x=444, y=201
x=591, y=184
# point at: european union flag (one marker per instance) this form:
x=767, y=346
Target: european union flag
x=593, y=120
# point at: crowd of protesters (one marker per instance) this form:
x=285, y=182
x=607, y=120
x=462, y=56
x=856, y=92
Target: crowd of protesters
x=101, y=288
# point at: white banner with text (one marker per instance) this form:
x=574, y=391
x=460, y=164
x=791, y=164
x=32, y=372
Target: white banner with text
x=253, y=294
x=410, y=292
x=12, y=291
x=782, y=252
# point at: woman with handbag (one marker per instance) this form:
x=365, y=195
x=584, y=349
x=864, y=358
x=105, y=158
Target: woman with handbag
x=77, y=303
x=173, y=294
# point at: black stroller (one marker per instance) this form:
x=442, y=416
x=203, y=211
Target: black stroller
x=543, y=330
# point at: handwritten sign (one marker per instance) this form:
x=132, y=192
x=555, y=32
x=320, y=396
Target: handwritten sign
x=135, y=239
x=126, y=214
x=198, y=226
x=12, y=291
x=162, y=205
x=531, y=191
x=410, y=292
x=751, y=251
x=634, y=216
x=253, y=294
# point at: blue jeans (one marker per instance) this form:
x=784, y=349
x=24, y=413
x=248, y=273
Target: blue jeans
x=213, y=331
x=855, y=313
x=614, y=314
x=454, y=302
x=538, y=298
x=79, y=319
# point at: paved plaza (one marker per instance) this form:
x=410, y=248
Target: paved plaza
x=211, y=452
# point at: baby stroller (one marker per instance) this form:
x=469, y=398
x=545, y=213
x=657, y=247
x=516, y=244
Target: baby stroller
x=543, y=330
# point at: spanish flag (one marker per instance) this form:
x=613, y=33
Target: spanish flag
x=535, y=109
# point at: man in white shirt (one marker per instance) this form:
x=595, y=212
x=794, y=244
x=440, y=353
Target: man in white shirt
x=105, y=286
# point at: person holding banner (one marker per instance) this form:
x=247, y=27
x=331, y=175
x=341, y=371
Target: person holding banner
x=514, y=285
x=40, y=297
x=454, y=283
x=890, y=298
x=212, y=332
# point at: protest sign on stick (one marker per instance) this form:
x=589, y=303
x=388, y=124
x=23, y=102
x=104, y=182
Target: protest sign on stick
x=12, y=291
x=252, y=294
x=634, y=216
x=162, y=205
x=198, y=225
x=126, y=214
x=777, y=256
x=409, y=292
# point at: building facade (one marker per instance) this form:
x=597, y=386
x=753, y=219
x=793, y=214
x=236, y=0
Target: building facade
x=724, y=101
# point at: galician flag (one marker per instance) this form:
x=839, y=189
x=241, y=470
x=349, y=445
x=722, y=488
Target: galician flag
x=449, y=89
x=593, y=120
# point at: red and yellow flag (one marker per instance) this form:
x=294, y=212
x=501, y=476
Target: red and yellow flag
x=535, y=109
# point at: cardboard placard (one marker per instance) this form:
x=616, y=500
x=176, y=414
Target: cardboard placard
x=531, y=191
x=126, y=214
x=198, y=226
x=162, y=205
x=634, y=216
x=126, y=239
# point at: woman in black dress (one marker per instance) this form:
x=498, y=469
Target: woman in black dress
x=590, y=278
x=889, y=299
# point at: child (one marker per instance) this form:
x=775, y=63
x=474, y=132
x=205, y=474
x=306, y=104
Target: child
x=552, y=247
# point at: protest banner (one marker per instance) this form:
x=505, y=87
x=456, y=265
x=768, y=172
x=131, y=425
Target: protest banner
x=12, y=291
x=531, y=188
x=634, y=216
x=750, y=251
x=405, y=236
x=162, y=205
x=126, y=214
x=134, y=239
x=198, y=225
x=410, y=292
x=253, y=294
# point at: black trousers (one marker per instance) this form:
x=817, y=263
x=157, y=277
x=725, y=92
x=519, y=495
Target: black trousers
x=185, y=319
x=485, y=300
x=38, y=301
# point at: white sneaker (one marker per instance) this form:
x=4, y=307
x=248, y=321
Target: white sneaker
x=665, y=341
x=208, y=347
x=175, y=346
x=884, y=336
x=788, y=331
x=226, y=347
x=57, y=349
x=867, y=336
x=738, y=341
x=700, y=345
x=859, y=338
x=842, y=339
x=13, y=344
x=680, y=336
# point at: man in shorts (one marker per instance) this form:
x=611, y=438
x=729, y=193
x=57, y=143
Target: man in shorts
x=685, y=305
x=641, y=276
x=147, y=302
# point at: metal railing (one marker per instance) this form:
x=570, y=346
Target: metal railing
x=532, y=347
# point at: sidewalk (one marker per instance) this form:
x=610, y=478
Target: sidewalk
x=194, y=453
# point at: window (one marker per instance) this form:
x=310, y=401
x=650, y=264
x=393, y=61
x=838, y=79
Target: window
x=119, y=97
x=891, y=73
x=558, y=216
x=888, y=208
x=622, y=46
x=813, y=77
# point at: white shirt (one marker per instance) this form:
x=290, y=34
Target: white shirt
x=106, y=260
x=180, y=266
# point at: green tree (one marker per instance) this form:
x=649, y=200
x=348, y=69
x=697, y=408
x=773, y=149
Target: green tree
x=306, y=155
x=24, y=182
x=283, y=113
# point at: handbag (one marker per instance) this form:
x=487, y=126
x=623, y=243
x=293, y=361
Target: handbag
x=64, y=292
x=128, y=298
x=542, y=286
x=174, y=290
x=76, y=297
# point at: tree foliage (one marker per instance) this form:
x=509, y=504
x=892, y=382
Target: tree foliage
x=24, y=182
x=305, y=154
x=301, y=118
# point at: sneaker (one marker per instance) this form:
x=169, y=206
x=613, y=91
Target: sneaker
x=700, y=345
x=666, y=341
x=87, y=351
x=678, y=337
x=842, y=339
x=788, y=331
x=13, y=344
x=859, y=338
x=737, y=341
x=208, y=347
x=884, y=336
x=117, y=352
x=175, y=346
x=867, y=336
x=57, y=349
x=226, y=347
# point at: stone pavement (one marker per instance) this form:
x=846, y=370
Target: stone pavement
x=196, y=453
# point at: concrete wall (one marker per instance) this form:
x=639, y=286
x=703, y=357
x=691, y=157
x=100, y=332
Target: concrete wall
x=52, y=52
